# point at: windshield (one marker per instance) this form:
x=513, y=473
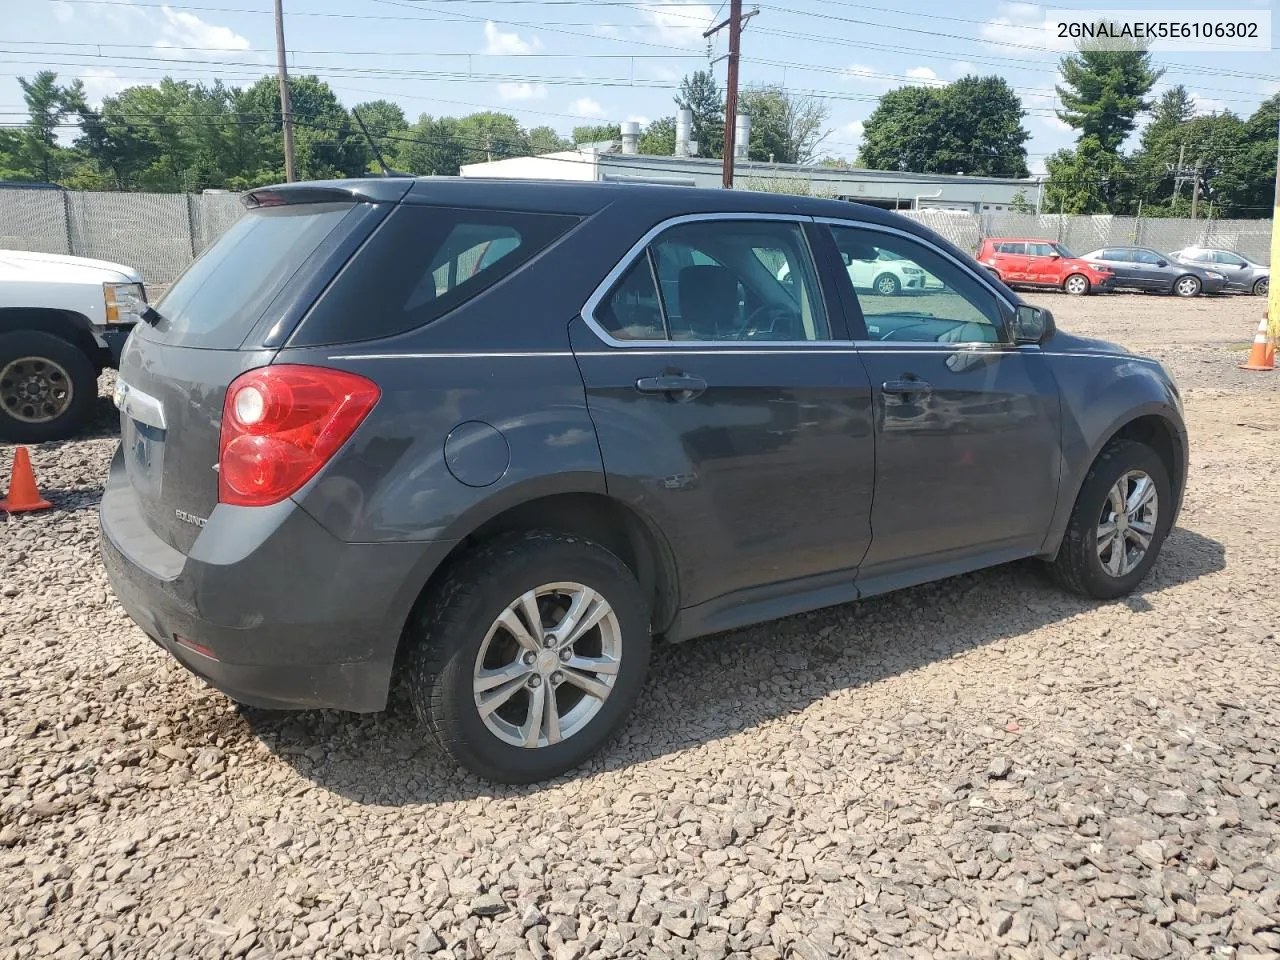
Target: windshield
x=1063, y=251
x=223, y=294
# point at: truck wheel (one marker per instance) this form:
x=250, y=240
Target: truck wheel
x=529, y=656
x=1120, y=521
x=47, y=387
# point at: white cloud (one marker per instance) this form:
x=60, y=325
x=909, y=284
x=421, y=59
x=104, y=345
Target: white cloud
x=586, y=107
x=1020, y=23
x=661, y=71
x=637, y=118
x=924, y=74
x=1054, y=122
x=507, y=44
x=522, y=91
x=679, y=22
x=100, y=83
x=854, y=129
x=62, y=12
x=963, y=68
x=1206, y=105
x=188, y=34
x=868, y=76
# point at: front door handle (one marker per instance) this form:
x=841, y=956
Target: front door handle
x=906, y=387
x=681, y=383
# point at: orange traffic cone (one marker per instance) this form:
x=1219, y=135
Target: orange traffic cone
x=1262, y=356
x=23, y=496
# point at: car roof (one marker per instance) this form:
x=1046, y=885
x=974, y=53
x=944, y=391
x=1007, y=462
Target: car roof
x=574, y=197
x=1020, y=240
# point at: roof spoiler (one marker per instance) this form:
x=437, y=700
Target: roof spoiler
x=378, y=190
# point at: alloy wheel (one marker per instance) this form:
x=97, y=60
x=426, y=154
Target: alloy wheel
x=1188, y=287
x=1128, y=523
x=1077, y=285
x=547, y=664
x=35, y=389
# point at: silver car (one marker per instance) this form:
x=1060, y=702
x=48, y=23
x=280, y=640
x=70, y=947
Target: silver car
x=1241, y=272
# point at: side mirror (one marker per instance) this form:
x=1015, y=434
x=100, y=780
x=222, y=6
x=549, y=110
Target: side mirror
x=1032, y=324
x=1162, y=263
x=1055, y=256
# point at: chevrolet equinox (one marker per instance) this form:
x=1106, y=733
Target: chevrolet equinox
x=492, y=438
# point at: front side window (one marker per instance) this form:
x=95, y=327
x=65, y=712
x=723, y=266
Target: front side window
x=915, y=294
x=1149, y=257
x=1040, y=249
x=1230, y=259
x=719, y=281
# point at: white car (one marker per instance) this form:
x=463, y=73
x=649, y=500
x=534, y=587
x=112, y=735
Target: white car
x=888, y=275
x=63, y=320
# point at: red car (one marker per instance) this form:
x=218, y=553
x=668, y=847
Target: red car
x=1021, y=262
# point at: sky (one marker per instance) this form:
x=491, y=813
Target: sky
x=562, y=63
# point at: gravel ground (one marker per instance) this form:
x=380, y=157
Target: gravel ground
x=982, y=767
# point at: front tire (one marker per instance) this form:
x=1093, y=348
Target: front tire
x=1262, y=287
x=887, y=285
x=1077, y=285
x=47, y=387
x=1121, y=518
x=527, y=659
x=1186, y=287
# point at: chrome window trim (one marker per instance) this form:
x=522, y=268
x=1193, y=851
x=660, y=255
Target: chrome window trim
x=642, y=245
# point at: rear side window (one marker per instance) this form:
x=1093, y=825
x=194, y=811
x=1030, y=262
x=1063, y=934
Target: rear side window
x=222, y=295
x=422, y=263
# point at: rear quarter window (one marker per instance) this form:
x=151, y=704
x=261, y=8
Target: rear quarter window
x=422, y=263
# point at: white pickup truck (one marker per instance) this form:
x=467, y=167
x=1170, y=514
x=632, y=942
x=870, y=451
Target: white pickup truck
x=63, y=320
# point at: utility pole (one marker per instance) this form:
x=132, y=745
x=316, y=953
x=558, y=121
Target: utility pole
x=286, y=108
x=1195, y=191
x=734, y=23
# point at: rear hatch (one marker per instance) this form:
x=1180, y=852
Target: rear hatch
x=228, y=313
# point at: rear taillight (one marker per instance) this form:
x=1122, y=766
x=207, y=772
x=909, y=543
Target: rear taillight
x=281, y=424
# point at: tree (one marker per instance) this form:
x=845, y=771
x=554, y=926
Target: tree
x=971, y=126
x=434, y=147
x=785, y=128
x=903, y=129
x=1088, y=179
x=597, y=133
x=327, y=142
x=489, y=135
x=1103, y=91
x=700, y=95
x=39, y=156
x=546, y=140
x=387, y=125
x=659, y=138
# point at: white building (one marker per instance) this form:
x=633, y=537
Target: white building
x=619, y=163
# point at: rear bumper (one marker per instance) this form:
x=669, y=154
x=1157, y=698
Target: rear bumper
x=289, y=616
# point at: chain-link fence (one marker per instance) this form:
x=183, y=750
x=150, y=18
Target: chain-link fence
x=1082, y=234
x=160, y=233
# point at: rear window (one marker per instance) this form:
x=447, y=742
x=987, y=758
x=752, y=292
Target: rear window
x=224, y=293
x=420, y=264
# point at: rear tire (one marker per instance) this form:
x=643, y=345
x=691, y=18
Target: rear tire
x=47, y=387
x=1085, y=563
x=463, y=654
x=1186, y=286
x=1261, y=287
x=1077, y=285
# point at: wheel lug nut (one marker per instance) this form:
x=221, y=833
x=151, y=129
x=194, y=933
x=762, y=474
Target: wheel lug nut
x=535, y=681
x=566, y=654
x=557, y=678
x=529, y=658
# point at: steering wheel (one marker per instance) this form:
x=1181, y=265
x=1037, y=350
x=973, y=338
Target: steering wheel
x=774, y=312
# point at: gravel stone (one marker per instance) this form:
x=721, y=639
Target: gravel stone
x=984, y=767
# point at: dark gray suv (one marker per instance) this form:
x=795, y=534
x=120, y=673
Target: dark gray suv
x=492, y=437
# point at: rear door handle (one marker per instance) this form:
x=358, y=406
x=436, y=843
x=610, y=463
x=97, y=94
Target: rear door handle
x=672, y=383
x=906, y=386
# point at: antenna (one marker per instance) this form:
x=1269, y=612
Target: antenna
x=386, y=171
